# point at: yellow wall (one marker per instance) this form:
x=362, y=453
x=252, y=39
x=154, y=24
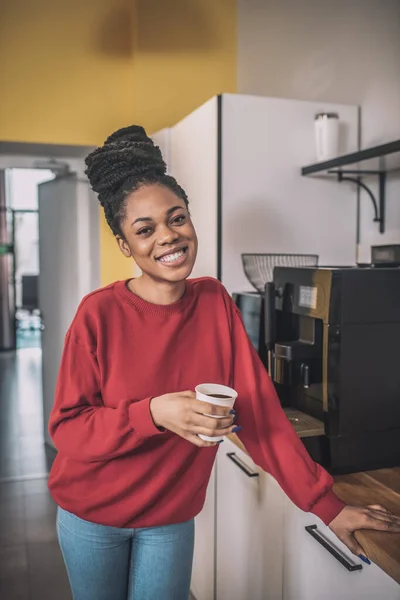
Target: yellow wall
x=185, y=53
x=74, y=71
x=65, y=69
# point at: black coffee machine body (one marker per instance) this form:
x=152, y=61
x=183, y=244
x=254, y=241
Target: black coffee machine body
x=336, y=356
x=332, y=347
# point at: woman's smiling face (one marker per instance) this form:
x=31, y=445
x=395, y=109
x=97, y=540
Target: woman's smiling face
x=158, y=233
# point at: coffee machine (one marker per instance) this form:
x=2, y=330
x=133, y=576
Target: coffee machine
x=259, y=270
x=333, y=339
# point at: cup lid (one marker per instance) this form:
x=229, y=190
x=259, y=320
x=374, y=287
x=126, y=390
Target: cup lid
x=326, y=115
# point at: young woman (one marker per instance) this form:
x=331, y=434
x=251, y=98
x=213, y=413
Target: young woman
x=131, y=472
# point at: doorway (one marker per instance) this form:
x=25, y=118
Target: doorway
x=49, y=251
x=22, y=200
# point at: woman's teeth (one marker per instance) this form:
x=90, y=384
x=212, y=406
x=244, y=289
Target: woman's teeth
x=172, y=257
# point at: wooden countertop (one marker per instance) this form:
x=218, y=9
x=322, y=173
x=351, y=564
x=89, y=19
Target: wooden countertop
x=372, y=487
x=375, y=487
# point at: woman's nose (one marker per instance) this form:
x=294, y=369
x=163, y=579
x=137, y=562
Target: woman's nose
x=167, y=236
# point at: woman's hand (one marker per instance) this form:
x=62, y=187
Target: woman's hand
x=352, y=518
x=185, y=416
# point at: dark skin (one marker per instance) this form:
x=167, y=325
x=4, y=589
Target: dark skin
x=158, y=234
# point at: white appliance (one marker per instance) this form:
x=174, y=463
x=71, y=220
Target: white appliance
x=69, y=267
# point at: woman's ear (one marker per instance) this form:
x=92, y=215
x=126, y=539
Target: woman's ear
x=123, y=246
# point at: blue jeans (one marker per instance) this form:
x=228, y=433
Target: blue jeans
x=108, y=563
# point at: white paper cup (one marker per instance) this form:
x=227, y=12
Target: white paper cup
x=205, y=392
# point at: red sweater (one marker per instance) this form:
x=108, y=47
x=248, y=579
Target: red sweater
x=114, y=467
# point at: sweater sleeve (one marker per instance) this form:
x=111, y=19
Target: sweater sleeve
x=269, y=437
x=80, y=426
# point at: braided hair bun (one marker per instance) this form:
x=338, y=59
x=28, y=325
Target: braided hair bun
x=129, y=159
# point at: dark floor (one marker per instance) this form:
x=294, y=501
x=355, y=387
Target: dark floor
x=31, y=566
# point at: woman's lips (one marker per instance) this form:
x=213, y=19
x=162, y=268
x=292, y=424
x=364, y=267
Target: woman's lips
x=175, y=258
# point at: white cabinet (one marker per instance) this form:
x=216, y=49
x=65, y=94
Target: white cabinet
x=249, y=529
x=202, y=584
x=310, y=572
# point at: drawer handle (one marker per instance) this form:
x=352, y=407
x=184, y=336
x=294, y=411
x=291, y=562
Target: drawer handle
x=312, y=530
x=239, y=463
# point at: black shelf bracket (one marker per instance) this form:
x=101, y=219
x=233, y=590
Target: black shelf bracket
x=378, y=203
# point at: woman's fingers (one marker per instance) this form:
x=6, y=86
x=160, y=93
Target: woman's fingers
x=211, y=423
x=212, y=432
x=208, y=419
x=352, y=518
x=371, y=518
x=197, y=420
x=380, y=508
x=211, y=427
x=382, y=513
x=382, y=523
x=378, y=513
x=352, y=544
x=206, y=408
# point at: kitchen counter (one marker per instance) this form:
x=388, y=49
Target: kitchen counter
x=366, y=488
x=375, y=487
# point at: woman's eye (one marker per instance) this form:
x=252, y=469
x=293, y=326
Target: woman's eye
x=144, y=231
x=179, y=219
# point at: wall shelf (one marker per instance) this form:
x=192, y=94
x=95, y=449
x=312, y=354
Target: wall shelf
x=371, y=162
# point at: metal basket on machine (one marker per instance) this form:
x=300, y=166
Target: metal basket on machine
x=259, y=268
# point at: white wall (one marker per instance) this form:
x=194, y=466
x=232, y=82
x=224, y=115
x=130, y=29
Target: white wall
x=162, y=139
x=267, y=206
x=345, y=51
